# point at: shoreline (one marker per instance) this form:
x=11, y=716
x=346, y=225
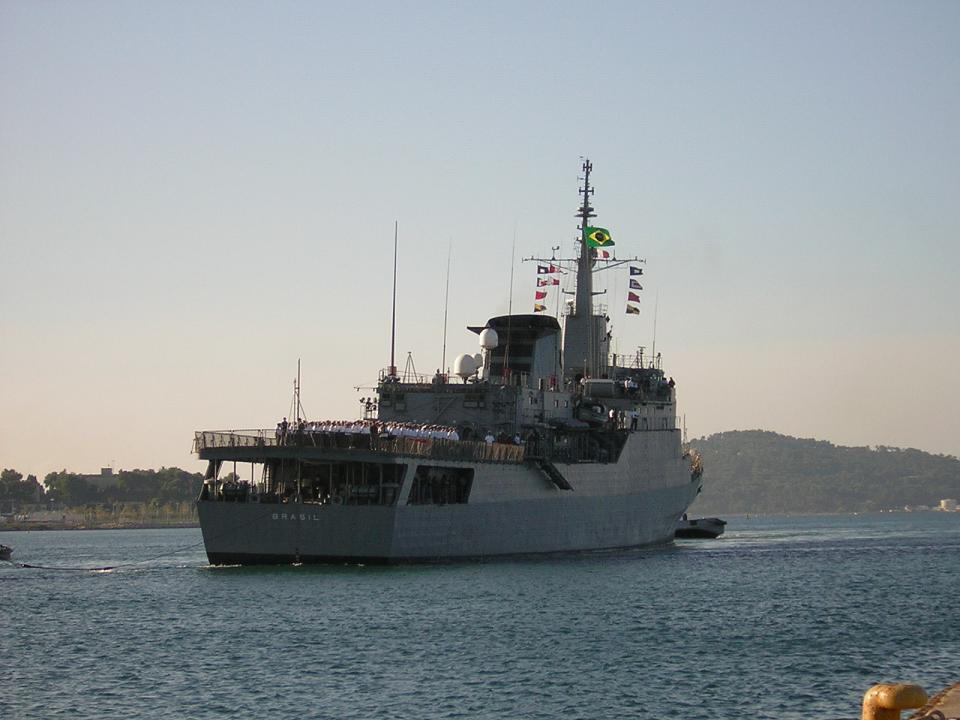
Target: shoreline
x=45, y=526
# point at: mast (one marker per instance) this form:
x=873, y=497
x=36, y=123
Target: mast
x=296, y=409
x=393, y=318
x=446, y=304
x=584, y=298
x=506, y=349
x=579, y=345
x=656, y=307
x=585, y=333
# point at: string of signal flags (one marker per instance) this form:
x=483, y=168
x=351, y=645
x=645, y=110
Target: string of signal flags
x=597, y=240
x=539, y=295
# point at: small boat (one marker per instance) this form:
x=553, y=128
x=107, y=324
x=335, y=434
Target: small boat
x=5, y=552
x=699, y=527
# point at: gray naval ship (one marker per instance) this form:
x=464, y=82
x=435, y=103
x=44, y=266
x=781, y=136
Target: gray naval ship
x=541, y=443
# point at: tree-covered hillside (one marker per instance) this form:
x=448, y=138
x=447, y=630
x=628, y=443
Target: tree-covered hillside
x=755, y=471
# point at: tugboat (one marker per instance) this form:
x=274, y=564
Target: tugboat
x=541, y=443
x=700, y=527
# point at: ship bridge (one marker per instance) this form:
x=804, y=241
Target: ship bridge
x=528, y=348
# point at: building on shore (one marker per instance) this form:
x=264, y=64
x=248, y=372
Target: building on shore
x=104, y=479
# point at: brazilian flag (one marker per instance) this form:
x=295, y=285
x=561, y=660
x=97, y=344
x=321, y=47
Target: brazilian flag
x=598, y=237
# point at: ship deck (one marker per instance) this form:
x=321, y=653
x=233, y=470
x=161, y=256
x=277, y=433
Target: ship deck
x=260, y=445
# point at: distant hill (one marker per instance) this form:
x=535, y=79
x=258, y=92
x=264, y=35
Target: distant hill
x=755, y=471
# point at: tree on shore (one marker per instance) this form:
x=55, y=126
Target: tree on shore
x=15, y=489
x=69, y=489
x=166, y=485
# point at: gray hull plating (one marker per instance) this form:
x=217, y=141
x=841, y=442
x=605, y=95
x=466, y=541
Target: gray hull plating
x=513, y=509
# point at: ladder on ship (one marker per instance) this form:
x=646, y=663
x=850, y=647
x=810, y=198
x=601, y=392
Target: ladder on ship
x=552, y=474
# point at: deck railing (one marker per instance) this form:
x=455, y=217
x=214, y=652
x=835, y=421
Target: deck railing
x=462, y=450
x=438, y=448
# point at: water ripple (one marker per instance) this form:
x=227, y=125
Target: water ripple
x=783, y=618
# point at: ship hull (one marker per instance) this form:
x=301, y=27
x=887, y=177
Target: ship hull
x=513, y=510
x=254, y=533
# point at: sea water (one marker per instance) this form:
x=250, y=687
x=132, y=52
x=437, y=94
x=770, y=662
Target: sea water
x=782, y=617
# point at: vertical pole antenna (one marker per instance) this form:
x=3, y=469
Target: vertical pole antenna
x=446, y=305
x=656, y=306
x=298, y=389
x=506, y=350
x=393, y=317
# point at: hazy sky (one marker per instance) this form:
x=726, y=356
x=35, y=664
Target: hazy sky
x=194, y=195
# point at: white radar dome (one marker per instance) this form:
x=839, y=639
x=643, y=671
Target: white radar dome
x=489, y=339
x=464, y=366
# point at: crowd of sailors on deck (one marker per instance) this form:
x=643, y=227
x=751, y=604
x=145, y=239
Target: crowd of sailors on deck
x=374, y=429
x=656, y=385
x=370, y=433
x=377, y=430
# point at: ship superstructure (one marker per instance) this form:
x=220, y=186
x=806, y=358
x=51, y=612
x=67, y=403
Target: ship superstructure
x=542, y=442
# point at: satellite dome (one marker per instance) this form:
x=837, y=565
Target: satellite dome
x=464, y=366
x=489, y=339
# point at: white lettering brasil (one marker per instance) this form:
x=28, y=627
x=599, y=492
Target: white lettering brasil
x=294, y=516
